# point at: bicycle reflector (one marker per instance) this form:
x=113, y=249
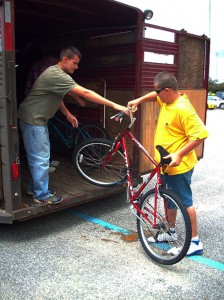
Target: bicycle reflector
x=15, y=171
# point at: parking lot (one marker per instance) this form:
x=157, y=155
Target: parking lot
x=84, y=252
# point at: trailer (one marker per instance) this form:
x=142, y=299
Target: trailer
x=122, y=52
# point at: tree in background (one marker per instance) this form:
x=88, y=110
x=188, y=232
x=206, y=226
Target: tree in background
x=214, y=86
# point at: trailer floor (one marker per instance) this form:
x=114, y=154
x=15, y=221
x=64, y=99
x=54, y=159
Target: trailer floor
x=65, y=182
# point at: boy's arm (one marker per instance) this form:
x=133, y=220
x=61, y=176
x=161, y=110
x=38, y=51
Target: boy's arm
x=150, y=97
x=177, y=156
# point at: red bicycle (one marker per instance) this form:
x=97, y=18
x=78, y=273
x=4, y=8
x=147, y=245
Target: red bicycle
x=163, y=224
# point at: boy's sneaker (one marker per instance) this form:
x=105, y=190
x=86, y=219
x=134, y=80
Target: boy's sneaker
x=50, y=200
x=163, y=237
x=31, y=193
x=54, y=163
x=196, y=248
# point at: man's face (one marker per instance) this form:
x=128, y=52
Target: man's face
x=70, y=65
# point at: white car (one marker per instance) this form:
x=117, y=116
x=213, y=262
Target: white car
x=217, y=101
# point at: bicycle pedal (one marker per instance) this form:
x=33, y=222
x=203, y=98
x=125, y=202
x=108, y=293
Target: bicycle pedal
x=122, y=183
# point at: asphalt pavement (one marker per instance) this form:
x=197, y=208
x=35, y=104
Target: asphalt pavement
x=84, y=252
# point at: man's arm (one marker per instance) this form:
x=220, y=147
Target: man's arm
x=96, y=98
x=72, y=119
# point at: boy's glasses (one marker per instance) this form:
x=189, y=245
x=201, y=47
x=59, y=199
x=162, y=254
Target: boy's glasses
x=158, y=91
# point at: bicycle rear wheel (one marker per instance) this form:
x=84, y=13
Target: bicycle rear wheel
x=164, y=212
x=90, y=131
x=88, y=158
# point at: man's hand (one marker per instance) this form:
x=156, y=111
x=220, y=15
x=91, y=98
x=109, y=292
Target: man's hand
x=121, y=108
x=72, y=119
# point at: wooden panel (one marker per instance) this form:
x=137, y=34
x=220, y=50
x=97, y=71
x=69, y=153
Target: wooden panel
x=149, y=118
x=191, y=62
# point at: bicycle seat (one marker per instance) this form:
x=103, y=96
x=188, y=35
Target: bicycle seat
x=163, y=152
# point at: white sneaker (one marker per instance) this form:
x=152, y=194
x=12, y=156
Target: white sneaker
x=196, y=248
x=174, y=250
x=163, y=237
x=54, y=163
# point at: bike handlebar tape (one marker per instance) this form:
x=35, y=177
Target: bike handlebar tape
x=119, y=115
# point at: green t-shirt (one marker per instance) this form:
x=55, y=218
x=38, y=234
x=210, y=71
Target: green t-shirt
x=45, y=96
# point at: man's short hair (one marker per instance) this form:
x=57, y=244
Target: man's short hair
x=69, y=52
x=166, y=80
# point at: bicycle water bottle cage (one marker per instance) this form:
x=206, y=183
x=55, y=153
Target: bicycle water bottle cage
x=163, y=152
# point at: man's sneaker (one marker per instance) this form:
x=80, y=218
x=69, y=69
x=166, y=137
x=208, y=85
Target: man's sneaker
x=196, y=248
x=50, y=200
x=54, y=163
x=51, y=169
x=31, y=193
x=163, y=237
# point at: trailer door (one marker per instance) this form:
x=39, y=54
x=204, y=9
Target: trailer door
x=9, y=146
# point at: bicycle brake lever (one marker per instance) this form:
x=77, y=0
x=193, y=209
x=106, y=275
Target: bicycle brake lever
x=119, y=116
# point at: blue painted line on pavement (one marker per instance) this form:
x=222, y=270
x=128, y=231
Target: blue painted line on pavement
x=101, y=223
x=208, y=262
x=201, y=259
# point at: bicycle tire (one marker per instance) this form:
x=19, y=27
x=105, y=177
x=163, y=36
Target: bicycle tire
x=87, y=159
x=166, y=253
x=90, y=131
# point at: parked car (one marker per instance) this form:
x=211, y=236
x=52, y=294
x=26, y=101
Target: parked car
x=210, y=103
x=218, y=102
x=220, y=95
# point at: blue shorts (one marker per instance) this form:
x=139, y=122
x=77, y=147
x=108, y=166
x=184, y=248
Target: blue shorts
x=181, y=185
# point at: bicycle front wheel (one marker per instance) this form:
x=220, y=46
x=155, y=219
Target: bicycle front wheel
x=90, y=131
x=164, y=212
x=88, y=158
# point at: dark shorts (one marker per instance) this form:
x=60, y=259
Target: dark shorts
x=180, y=184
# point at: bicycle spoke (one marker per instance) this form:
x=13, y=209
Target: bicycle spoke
x=89, y=160
x=155, y=234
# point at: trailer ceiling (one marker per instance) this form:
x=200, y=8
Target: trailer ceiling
x=40, y=19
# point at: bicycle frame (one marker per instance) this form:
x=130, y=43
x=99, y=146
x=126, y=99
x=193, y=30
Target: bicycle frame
x=120, y=142
x=66, y=139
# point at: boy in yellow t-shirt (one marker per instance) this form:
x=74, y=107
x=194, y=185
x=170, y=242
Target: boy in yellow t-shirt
x=179, y=130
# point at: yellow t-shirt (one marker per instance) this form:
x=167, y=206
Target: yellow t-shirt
x=177, y=124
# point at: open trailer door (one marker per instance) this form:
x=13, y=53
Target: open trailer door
x=10, y=198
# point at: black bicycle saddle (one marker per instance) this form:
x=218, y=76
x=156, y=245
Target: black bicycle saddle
x=163, y=152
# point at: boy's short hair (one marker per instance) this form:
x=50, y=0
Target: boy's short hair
x=166, y=80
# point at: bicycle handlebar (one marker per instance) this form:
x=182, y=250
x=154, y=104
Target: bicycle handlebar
x=120, y=115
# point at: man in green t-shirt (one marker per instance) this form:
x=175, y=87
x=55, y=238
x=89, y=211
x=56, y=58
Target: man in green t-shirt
x=42, y=102
x=179, y=130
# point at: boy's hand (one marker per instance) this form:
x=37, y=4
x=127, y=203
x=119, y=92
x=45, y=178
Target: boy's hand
x=132, y=105
x=121, y=108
